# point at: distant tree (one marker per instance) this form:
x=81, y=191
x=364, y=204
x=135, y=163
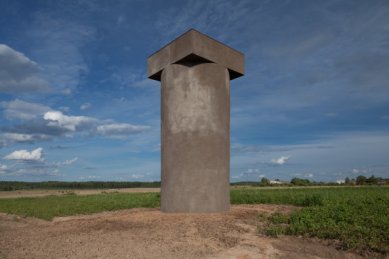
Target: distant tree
x=265, y=181
x=372, y=180
x=361, y=180
x=299, y=181
x=347, y=181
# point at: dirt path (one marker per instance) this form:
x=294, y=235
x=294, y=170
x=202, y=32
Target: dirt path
x=148, y=233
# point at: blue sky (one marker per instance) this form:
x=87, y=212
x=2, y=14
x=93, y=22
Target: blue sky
x=76, y=104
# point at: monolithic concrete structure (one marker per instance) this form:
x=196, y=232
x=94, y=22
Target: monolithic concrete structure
x=195, y=73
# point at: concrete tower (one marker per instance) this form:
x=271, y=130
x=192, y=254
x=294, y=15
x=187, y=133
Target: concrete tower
x=195, y=72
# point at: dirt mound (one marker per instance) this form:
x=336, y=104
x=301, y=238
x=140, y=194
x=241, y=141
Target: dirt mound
x=148, y=233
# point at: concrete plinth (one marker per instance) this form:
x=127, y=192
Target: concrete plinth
x=195, y=117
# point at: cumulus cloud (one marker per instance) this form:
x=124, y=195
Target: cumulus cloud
x=71, y=123
x=32, y=164
x=41, y=122
x=279, y=161
x=18, y=109
x=18, y=73
x=24, y=155
x=117, y=129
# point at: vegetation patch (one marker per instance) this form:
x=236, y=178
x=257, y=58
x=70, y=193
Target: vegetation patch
x=357, y=217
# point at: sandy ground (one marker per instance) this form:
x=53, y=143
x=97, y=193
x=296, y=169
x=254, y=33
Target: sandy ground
x=40, y=193
x=148, y=233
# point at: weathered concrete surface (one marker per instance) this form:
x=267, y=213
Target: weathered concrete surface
x=195, y=138
x=195, y=45
x=195, y=71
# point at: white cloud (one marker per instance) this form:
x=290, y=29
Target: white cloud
x=250, y=174
x=44, y=123
x=58, y=119
x=33, y=171
x=280, y=161
x=3, y=169
x=34, y=155
x=145, y=83
x=361, y=171
x=89, y=177
x=137, y=176
x=18, y=137
x=305, y=175
x=68, y=162
x=18, y=73
x=41, y=122
x=85, y=106
x=33, y=164
x=18, y=109
x=9, y=138
x=116, y=129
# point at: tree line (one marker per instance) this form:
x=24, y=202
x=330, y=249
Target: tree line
x=53, y=185
x=359, y=180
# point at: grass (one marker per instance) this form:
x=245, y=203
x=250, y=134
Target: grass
x=70, y=204
x=292, y=196
x=357, y=217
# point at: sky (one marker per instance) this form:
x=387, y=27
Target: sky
x=76, y=103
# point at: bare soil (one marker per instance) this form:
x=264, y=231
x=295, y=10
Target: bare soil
x=41, y=193
x=148, y=233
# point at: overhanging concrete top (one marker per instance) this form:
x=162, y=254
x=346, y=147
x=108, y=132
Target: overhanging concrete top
x=195, y=46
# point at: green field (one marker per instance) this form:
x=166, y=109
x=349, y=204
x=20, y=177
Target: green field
x=70, y=204
x=358, y=217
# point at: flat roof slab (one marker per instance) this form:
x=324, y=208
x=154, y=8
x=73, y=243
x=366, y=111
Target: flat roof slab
x=193, y=45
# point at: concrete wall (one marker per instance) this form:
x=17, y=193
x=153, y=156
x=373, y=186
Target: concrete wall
x=195, y=72
x=195, y=155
